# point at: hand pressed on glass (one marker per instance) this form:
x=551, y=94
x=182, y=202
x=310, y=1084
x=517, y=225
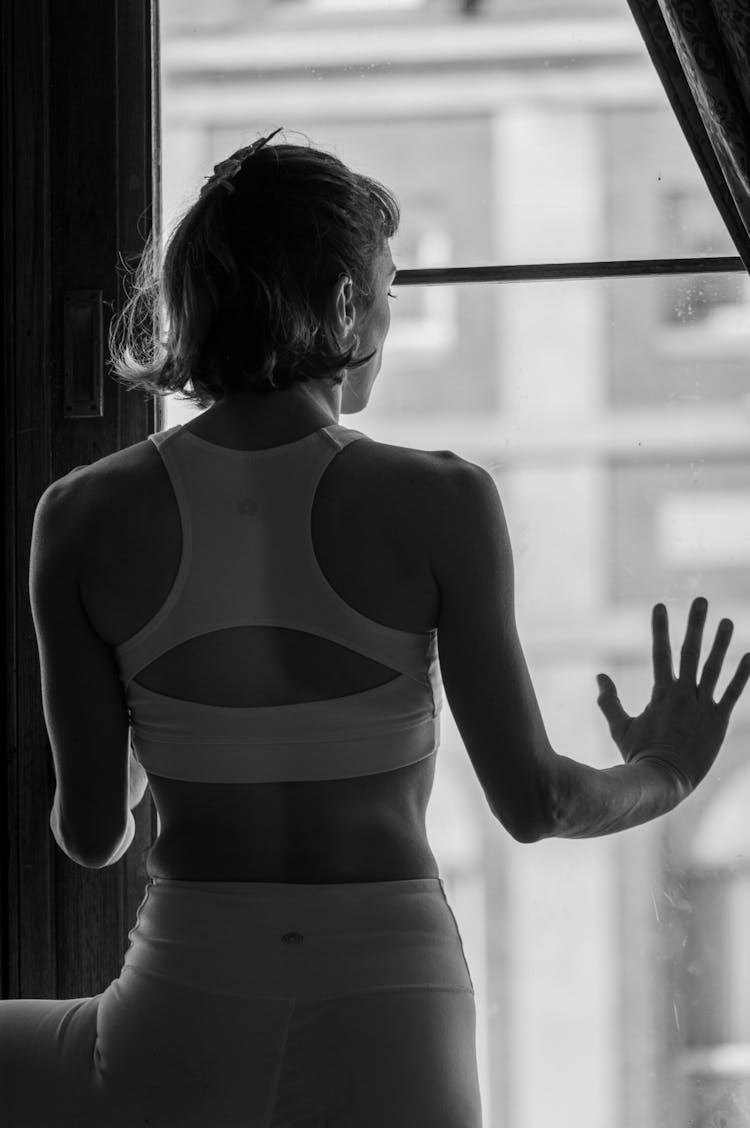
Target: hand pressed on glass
x=681, y=727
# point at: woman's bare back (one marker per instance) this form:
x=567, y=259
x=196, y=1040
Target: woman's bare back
x=369, y=526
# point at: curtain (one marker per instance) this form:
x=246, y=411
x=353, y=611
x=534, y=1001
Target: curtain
x=701, y=51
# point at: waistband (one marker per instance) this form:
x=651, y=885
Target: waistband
x=285, y=940
x=289, y=890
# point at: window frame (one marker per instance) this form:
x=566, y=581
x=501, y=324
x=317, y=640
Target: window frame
x=567, y=271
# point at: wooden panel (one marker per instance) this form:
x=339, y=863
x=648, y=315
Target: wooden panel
x=77, y=134
x=28, y=954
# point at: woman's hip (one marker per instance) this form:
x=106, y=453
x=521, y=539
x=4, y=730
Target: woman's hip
x=284, y=941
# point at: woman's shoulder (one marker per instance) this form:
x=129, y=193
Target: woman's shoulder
x=100, y=487
x=384, y=457
x=392, y=451
x=391, y=474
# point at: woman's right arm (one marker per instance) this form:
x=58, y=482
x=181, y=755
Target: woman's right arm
x=590, y=802
x=534, y=792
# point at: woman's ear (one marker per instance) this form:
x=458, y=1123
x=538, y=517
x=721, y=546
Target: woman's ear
x=344, y=304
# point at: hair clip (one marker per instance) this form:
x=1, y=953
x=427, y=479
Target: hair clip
x=226, y=170
x=261, y=142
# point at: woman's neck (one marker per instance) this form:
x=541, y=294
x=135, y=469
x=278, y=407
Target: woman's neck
x=281, y=416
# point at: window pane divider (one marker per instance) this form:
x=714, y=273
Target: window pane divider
x=549, y=271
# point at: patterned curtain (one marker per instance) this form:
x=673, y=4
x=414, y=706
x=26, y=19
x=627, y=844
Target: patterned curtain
x=701, y=51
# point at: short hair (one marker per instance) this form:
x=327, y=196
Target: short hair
x=247, y=277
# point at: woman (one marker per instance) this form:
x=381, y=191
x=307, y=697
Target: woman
x=261, y=592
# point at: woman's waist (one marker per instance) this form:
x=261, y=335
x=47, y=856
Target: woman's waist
x=366, y=828
x=297, y=855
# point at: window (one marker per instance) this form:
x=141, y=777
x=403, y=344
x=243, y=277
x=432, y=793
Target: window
x=613, y=413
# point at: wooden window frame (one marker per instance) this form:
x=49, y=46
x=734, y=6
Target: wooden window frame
x=78, y=191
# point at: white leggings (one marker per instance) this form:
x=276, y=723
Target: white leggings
x=260, y=1005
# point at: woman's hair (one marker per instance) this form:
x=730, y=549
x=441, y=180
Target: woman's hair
x=241, y=298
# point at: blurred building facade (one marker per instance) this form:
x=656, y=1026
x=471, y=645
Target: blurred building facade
x=611, y=974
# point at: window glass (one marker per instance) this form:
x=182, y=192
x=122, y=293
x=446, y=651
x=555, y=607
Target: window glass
x=610, y=973
x=519, y=131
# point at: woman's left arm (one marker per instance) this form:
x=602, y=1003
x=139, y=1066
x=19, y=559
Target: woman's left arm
x=84, y=703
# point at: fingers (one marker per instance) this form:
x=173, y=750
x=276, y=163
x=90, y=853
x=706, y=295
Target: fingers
x=713, y=665
x=661, y=648
x=611, y=706
x=691, y=647
x=737, y=684
x=690, y=655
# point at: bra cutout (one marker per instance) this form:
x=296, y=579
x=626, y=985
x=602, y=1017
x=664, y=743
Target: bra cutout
x=202, y=672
